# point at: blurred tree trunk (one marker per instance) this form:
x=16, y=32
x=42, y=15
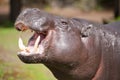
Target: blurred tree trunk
x=15, y=8
x=117, y=8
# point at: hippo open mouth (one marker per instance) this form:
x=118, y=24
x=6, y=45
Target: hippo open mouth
x=37, y=44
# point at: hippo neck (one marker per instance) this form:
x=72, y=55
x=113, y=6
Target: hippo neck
x=85, y=71
x=108, y=69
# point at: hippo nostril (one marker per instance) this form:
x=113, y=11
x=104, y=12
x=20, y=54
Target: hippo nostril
x=21, y=27
x=18, y=27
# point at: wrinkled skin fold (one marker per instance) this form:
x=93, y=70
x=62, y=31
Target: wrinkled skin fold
x=73, y=49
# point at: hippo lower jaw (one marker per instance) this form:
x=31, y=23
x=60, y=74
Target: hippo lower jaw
x=35, y=51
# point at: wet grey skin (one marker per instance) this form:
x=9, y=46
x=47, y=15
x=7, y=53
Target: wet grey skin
x=72, y=48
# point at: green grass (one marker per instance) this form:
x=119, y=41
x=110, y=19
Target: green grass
x=11, y=68
x=118, y=18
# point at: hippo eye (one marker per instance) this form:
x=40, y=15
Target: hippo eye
x=64, y=25
x=64, y=22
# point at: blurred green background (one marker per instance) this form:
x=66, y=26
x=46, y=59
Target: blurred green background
x=11, y=68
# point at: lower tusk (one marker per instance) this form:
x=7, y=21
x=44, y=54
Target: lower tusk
x=36, y=44
x=21, y=45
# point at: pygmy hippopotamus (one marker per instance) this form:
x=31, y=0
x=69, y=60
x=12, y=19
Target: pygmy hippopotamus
x=72, y=48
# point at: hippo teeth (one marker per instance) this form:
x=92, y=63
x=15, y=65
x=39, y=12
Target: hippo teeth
x=22, y=47
x=36, y=44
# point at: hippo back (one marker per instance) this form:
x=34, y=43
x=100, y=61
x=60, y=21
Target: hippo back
x=115, y=26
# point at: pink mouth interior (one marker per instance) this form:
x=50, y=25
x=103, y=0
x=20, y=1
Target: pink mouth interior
x=32, y=40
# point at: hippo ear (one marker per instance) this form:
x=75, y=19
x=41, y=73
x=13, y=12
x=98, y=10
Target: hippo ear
x=85, y=34
x=86, y=30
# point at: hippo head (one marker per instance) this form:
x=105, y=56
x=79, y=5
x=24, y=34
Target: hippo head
x=57, y=43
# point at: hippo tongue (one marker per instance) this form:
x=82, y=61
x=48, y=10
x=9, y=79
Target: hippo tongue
x=29, y=49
